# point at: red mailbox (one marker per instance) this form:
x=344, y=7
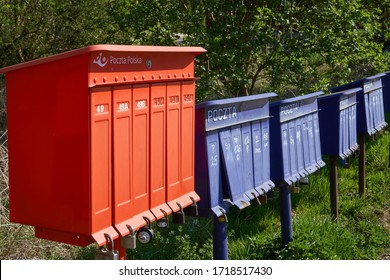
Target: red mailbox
x=100, y=138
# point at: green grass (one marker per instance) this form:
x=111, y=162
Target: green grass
x=362, y=231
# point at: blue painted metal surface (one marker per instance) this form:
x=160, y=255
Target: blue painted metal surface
x=295, y=149
x=295, y=134
x=285, y=214
x=232, y=146
x=370, y=108
x=386, y=91
x=220, y=240
x=337, y=119
x=232, y=158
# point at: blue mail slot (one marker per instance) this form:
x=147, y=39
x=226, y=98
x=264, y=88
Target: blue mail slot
x=232, y=164
x=370, y=107
x=295, y=134
x=337, y=113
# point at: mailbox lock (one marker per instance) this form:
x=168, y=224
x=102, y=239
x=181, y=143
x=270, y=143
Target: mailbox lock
x=164, y=222
x=145, y=234
x=256, y=198
x=223, y=218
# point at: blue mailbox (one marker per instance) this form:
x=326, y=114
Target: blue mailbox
x=295, y=134
x=338, y=114
x=232, y=158
x=370, y=108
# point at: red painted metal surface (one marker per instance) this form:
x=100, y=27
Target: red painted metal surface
x=100, y=138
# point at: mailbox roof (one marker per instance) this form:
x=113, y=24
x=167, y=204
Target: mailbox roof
x=225, y=101
x=357, y=83
x=116, y=48
x=298, y=98
x=344, y=92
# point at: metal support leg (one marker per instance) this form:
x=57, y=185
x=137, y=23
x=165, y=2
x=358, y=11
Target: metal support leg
x=285, y=213
x=334, y=204
x=220, y=241
x=362, y=163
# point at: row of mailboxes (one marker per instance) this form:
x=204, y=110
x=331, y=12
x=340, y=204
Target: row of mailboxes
x=105, y=139
x=338, y=115
x=101, y=140
x=232, y=152
x=370, y=117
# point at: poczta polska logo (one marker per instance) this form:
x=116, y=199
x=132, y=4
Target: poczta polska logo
x=102, y=61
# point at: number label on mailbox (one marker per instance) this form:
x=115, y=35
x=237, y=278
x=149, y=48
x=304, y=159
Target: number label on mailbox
x=141, y=104
x=123, y=106
x=101, y=108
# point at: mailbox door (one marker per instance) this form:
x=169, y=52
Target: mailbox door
x=354, y=126
x=158, y=150
x=292, y=149
x=312, y=151
x=300, y=148
x=187, y=143
x=101, y=188
x=247, y=154
x=122, y=143
x=173, y=144
x=232, y=158
x=320, y=163
x=258, y=158
x=268, y=184
x=286, y=154
x=368, y=113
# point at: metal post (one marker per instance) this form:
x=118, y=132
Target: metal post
x=285, y=213
x=362, y=163
x=334, y=204
x=220, y=241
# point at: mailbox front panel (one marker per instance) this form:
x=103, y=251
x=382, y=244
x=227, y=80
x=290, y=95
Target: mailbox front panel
x=296, y=128
x=237, y=151
x=338, y=123
x=122, y=140
x=158, y=124
x=101, y=187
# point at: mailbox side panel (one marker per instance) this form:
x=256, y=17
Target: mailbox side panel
x=386, y=92
x=330, y=126
x=276, y=158
x=48, y=124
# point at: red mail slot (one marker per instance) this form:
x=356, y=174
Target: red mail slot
x=100, y=138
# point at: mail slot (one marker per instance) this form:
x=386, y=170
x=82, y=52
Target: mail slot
x=101, y=138
x=232, y=152
x=295, y=133
x=337, y=116
x=370, y=108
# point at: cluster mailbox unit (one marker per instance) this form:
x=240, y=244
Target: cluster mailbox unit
x=295, y=148
x=338, y=115
x=232, y=160
x=101, y=140
x=370, y=115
